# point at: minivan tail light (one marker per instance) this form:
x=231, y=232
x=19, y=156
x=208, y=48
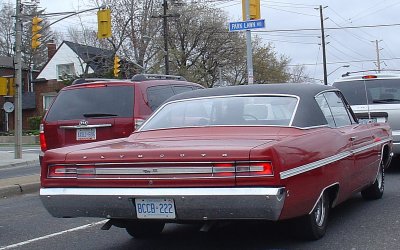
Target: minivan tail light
x=42, y=138
x=369, y=77
x=138, y=123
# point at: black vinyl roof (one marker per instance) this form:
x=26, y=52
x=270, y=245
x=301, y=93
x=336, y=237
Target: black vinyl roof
x=308, y=113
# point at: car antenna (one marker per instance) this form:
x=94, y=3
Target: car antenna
x=366, y=96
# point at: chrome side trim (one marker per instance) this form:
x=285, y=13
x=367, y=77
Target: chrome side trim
x=320, y=195
x=314, y=165
x=87, y=126
x=358, y=150
x=321, y=163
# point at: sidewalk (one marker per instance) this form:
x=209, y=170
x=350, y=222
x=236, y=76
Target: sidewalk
x=22, y=184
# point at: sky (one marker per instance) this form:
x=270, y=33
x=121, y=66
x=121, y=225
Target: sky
x=293, y=28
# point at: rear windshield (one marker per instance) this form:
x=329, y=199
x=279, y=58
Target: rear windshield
x=378, y=91
x=222, y=111
x=99, y=102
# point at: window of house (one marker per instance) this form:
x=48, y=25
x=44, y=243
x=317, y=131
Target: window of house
x=48, y=100
x=65, y=71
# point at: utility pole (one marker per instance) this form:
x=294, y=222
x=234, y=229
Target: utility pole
x=165, y=28
x=165, y=16
x=323, y=45
x=18, y=83
x=378, y=60
x=250, y=75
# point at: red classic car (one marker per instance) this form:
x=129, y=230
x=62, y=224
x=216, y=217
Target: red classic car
x=261, y=152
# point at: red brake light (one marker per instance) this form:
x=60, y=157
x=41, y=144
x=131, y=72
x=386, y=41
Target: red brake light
x=65, y=171
x=254, y=169
x=223, y=169
x=369, y=77
x=96, y=86
x=42, y=139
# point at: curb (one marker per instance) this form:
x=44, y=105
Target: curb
x=17, y=189
x=23, y=164
x=21, y=188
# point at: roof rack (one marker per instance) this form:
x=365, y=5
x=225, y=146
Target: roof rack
x=86, y=80
x=375, y=71
x=147, y=77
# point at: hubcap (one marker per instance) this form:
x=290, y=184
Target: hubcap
x=319, y=212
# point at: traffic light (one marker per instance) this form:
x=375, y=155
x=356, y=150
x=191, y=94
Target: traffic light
x=254, y=10
x=104, y=23
x=35, y=32
x=7, y=86
x=117, y=66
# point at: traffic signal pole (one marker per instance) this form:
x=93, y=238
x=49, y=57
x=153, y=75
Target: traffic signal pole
x=18, y=83
x=250, y=76
x=18, y=75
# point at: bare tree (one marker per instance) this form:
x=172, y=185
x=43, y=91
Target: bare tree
x=7, y=30
x=36, y=58
x=298, y=74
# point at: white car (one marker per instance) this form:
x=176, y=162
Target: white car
x=374, y=97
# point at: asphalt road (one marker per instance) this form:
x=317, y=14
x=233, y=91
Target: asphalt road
x=355, y=224
x=10, y=172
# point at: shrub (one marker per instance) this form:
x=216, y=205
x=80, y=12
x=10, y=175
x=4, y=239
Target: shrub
x=34, y=122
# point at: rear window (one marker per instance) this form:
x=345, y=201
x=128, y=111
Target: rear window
x=83, y=103
x=376, y=91
x=221, y=111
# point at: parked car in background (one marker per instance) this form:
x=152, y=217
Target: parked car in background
x=94, y=110
x=374, y=97
x=261, y=152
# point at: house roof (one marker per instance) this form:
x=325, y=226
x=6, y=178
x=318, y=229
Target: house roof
x=6, y=62
x=96, y=58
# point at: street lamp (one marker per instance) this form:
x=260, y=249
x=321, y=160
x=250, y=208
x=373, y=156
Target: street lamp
x=343, y=66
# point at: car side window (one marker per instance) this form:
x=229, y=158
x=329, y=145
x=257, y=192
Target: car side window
x=323, y=104
x=181, y=89
x=338, y=109
x=158, y=94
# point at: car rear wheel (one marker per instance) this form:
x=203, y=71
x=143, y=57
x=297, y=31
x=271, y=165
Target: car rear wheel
x=144, y=229
x=313, y=226
x=375, y=191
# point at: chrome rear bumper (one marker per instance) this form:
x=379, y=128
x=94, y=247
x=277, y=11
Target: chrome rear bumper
x=190, y=203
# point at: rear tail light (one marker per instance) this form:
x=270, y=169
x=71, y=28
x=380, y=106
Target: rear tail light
x=254, y=169
x=42, y=139
x=223, y=169
x=61, y=171
x=243, y=169
x=369, y=77
x=220, y=169
x=138, y=123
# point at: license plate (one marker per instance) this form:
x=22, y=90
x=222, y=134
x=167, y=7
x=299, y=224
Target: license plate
x=86, y=134
x=155, y=208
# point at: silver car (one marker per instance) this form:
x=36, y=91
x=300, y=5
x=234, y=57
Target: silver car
x=374, y=98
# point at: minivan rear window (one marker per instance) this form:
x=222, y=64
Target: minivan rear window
x=378, y=91
x=98, y=102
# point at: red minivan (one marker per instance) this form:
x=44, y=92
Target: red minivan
x=106, y=109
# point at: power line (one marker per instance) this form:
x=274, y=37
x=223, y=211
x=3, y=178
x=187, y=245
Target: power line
x=341, y=62
x=331, y=28
x=346, y=47
x=299, y=13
